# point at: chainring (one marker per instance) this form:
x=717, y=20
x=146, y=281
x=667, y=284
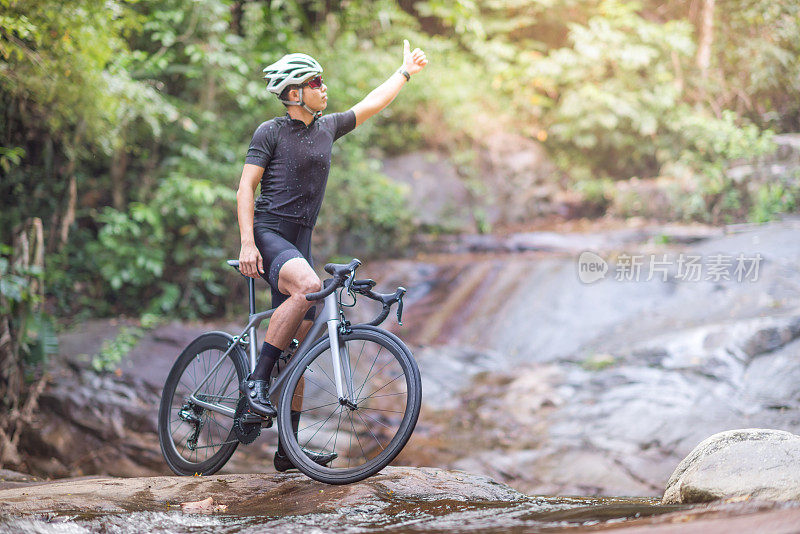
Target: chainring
x=245, y=432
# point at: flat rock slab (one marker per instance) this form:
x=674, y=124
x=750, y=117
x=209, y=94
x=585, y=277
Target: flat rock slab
x=749, y=463
x=724, y=518
x=256, y=494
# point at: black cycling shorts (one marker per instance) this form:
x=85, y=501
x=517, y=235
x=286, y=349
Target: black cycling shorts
x=278, y=241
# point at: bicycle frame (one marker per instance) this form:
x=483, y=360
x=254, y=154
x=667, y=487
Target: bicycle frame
x=329, y=315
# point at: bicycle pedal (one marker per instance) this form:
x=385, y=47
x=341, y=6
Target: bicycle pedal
x=251, y=418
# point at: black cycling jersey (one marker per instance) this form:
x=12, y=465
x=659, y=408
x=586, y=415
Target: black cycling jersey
x=296, y=159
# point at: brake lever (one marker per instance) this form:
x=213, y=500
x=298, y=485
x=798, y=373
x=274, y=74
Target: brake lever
x=401, y=291
x=347, y=286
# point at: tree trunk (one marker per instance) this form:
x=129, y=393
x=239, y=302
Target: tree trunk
x=207, y=103
x=119, y=164
x=72, y=189
x=705, y=38
x=237, y=10
x=148, y=172
x=69, y=216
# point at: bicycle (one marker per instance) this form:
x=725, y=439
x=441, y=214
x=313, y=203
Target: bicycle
x=361, y=382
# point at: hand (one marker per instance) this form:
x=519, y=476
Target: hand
x=414, y=61
x=250, y=262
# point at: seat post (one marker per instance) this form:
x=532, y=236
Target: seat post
x=251, y=287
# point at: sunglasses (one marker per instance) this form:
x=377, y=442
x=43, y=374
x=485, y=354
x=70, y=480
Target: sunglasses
x=314, y=83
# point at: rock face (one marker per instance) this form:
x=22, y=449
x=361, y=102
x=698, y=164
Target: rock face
x=568, y=388
x=754, y=463
x=529, y=376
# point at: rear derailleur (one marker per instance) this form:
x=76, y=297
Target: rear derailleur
x=193, y=415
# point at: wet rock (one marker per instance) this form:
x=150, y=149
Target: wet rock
x=446, y=371
x=13, y=479
x=90, y=424
x=439, y=197
x=529, y=376
x=257, y=494
x=753, y=463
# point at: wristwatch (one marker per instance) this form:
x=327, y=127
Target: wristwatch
x=405, y=73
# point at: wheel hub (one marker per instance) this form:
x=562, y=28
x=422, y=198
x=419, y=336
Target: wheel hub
x=348, y=404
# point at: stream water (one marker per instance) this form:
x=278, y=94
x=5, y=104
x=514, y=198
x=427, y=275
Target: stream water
x=539, y=514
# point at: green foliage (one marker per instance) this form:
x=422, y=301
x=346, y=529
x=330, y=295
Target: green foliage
x=773, y=199
x=598, y=362
x=148, y=106
x=611, y=88
x=113, y=351
x=615, y=88
x=20, y=304
x=166, y=253
x=708, y=147
x=10, y=157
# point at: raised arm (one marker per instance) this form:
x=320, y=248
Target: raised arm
x=381, y=96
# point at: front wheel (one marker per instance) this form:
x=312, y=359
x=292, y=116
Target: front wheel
x=199, y=439
x=367, y=428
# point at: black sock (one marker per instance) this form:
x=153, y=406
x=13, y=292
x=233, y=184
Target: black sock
x=266, y=361
x=295, y=428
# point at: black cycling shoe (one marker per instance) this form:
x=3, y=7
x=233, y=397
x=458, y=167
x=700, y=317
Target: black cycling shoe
x=257, y=393
x=283, y=463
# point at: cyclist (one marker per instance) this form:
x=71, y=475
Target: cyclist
x=290, y=157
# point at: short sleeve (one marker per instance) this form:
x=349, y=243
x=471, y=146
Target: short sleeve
x=344, y=123
x=263, y=144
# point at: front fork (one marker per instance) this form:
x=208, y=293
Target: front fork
x=340, y=355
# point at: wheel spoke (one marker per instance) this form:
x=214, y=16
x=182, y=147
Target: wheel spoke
x=377, y=421
x=380, y=388
x=370, y=431
x=380, y=410
x=318, y=407
x=326, y=374
x=360, y=446
x=335, y=396
x=320, y=428
x=369, y=372
x=404, y=393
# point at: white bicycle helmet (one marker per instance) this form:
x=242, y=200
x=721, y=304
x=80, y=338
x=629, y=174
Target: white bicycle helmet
x=291, y=69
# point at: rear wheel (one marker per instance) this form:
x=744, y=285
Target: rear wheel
x=367, y=430
x=196, y=439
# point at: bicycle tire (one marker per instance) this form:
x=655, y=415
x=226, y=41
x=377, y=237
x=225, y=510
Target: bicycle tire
x=188, y=370
x=407, y=392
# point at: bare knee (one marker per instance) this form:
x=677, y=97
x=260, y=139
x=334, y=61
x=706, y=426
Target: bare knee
x=306, y=285
x=311, y=285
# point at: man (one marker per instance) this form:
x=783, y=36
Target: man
x=290, y=157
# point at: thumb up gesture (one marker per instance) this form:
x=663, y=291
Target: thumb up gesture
x=414, y=61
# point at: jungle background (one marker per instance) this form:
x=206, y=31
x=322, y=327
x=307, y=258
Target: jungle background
x=124, y=124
